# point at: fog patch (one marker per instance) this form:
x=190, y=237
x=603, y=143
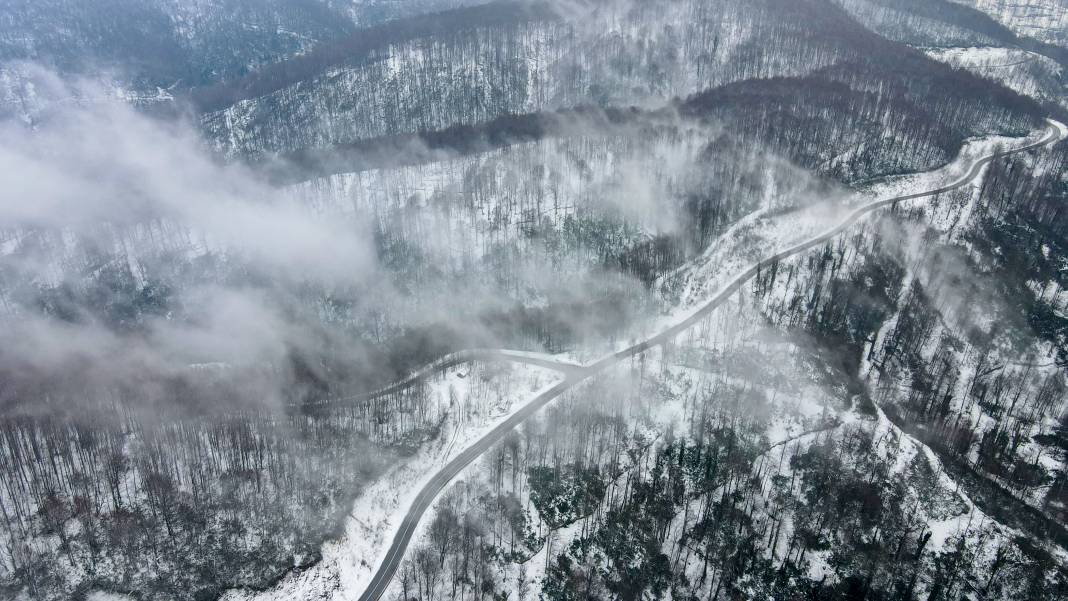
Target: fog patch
x=128, y=251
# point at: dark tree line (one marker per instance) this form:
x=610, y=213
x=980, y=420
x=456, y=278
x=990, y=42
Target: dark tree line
x=171, y=506
x=362, y=45
x=580, y=66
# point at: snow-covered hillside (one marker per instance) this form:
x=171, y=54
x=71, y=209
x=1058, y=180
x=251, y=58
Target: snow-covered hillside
x=1026, y=72
x=403, y=300
x=1045, y=20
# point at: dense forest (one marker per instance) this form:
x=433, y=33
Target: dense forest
x=171, y=506
x=285, y=260
x=845, y=429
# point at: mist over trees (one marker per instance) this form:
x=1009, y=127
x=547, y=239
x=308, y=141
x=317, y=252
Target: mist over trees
x=242, y=275
x=837, y=509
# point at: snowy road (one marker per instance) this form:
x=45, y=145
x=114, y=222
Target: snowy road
x=453, y=359
x=576, y=373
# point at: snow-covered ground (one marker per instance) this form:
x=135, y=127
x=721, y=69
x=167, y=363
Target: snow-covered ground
x=99, y=596
x=1028, y=73
x=764, y=233
x=478, y=400
x=1044, y=20
x=349, y=563
x=968, y=521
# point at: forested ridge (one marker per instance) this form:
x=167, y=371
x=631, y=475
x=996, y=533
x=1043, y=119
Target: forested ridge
x=850, y=505
x=361, y=46
x=186, y=412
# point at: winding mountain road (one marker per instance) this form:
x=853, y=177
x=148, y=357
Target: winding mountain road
x=573, y=373
x=543, y=360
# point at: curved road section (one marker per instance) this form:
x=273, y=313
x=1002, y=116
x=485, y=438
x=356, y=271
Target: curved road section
x=577, y=373
x=543, y=360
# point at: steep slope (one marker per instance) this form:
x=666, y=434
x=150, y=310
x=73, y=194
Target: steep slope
x=968, y=38
x=175, y=330
x=748, y=458
x=1045, y=20
x=544, y=57
x=149, y=43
